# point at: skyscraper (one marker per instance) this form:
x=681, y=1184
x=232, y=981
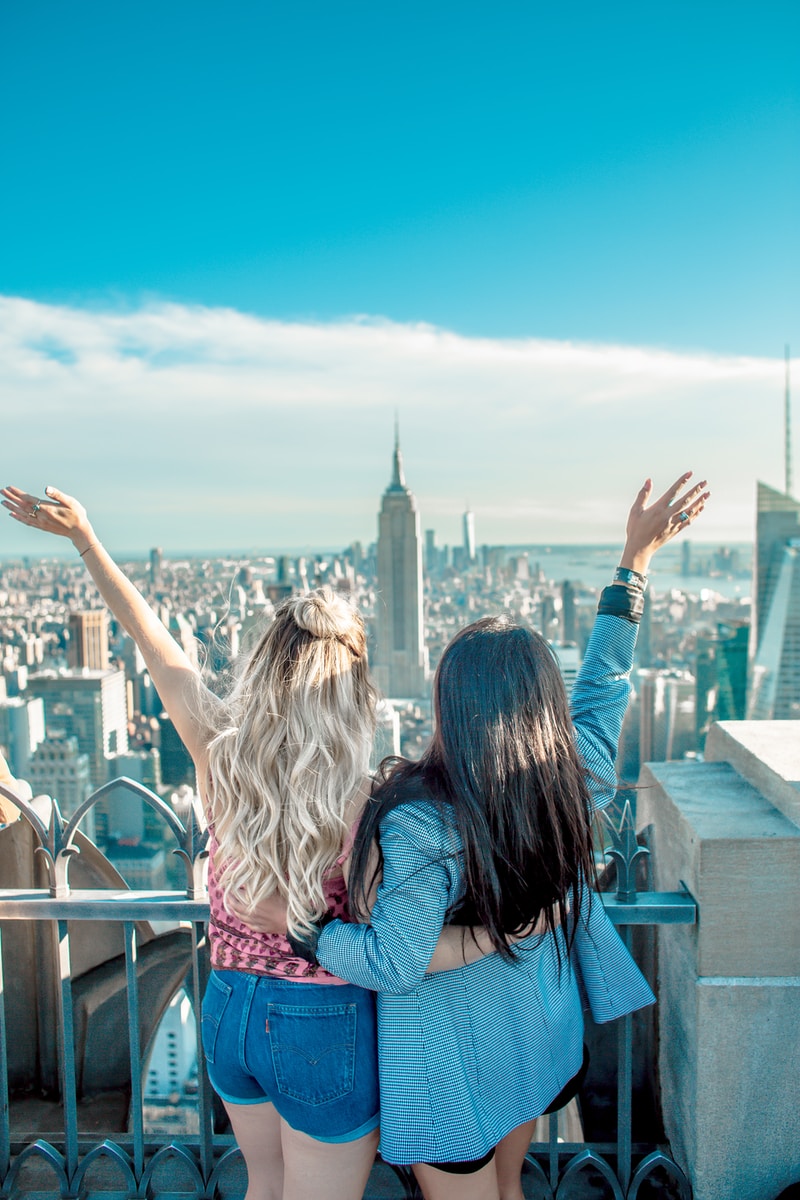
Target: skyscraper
x=401, y=661
x=88, y=639
x=469, y=535
x=666, y=714
x=569, y=662
x=721, y=677
x=569, y=612
x=59, y=769
x=21, y=731
x=89, y=706
x=774, y=692
x=156, y=557
x=431, y=552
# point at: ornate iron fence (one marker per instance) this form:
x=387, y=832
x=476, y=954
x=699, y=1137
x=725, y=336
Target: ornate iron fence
x=207, y=1157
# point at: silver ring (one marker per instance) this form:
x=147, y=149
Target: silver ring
x=35, y=509
x=682, y=516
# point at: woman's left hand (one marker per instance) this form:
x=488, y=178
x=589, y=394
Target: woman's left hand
x=653, y=523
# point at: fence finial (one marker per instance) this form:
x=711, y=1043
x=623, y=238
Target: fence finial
x=625, y=851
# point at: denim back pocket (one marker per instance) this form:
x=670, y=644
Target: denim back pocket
x=218, y=993
x=313, y=1050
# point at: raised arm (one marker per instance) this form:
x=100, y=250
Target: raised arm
x=457, y=946
x=600, y=694
x=176, y=679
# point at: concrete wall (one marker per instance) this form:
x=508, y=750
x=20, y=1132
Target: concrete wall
x=729, y=988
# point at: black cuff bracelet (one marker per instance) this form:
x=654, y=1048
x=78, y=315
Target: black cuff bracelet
x=306, y=946
x=620, y=600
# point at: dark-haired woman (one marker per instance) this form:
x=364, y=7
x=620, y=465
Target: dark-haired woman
x=492, y=827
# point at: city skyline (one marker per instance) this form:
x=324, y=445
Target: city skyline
x=559, y=245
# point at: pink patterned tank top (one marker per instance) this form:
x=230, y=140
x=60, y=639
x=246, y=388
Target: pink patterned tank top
x=237, y=947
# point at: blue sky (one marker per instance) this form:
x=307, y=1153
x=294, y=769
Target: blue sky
x=618, y=176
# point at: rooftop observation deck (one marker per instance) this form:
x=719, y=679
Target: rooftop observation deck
x=696, y=1097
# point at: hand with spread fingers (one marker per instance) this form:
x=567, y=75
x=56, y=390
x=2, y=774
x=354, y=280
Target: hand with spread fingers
x=54, y=513
x=651, y=524
x=174, y=675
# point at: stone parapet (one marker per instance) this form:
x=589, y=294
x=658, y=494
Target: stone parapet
x=729, y=987
x=738, y=856
x=766, y=754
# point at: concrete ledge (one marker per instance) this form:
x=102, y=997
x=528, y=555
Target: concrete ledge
x=739, y=857
x=766, y=754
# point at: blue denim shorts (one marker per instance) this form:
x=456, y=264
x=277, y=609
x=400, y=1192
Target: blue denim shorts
x=308, y=1048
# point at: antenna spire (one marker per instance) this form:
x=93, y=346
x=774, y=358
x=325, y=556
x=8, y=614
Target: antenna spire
x=787, y=427
x=398, y=477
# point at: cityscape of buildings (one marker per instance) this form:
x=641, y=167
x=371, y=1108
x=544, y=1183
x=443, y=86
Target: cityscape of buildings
x=78, y=708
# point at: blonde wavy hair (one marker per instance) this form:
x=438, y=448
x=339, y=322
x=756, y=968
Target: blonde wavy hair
x=291, y=753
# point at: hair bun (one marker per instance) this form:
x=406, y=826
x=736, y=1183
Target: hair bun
x=324, y=614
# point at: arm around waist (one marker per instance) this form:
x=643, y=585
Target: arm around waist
x=420, y=874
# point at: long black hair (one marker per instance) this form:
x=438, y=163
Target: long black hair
x=503, y=761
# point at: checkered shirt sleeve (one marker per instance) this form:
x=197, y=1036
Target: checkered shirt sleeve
x=599, y=700
x=420, y=878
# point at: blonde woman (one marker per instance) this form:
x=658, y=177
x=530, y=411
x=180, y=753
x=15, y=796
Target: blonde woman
x=281, y=765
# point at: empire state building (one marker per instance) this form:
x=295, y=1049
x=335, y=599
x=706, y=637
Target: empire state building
x=402, y=661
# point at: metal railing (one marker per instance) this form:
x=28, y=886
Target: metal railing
x=207, y=1157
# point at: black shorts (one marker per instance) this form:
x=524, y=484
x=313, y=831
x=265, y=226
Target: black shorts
x=570, y=1089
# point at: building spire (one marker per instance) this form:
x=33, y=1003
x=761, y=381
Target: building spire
x=787, y=418
x=398, y=477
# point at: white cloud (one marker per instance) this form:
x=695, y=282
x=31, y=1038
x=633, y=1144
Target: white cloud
x=200, y=427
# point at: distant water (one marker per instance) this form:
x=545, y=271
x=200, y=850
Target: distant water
x=590, y=565
x=593, y=566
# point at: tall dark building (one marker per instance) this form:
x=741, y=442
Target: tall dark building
x=569, y=615
x=721, y=677
x=156, y=557
x=176, y=762
x=775, y=633
x=644, y=643
x=686, y=559
x=548, y=620
x=401, y=661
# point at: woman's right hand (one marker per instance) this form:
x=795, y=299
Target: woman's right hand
x=65, y=518
x=652, y=525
